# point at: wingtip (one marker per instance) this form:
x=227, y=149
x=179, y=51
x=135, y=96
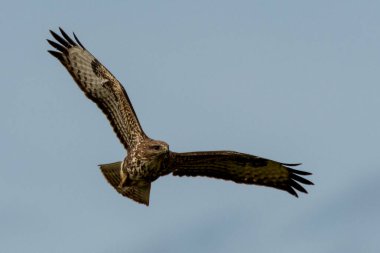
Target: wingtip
x=57, y=46
x=61, y=30
x=299, y=172
x=77, y=40
x=292, y=164
x=60, y=39
x=291, y=191
x=294, y=194
x=56, y=54
x=297, y=186
x=67, y=37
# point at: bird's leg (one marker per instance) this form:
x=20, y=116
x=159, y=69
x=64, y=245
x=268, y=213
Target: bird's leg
x=125, y=181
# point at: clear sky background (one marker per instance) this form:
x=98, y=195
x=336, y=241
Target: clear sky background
x=294, y=81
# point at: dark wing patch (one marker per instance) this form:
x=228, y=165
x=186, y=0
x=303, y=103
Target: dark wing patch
x=240, y=168
x=100, y=86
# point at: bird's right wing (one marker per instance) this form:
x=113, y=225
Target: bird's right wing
x=100, y=86
x=240, y=168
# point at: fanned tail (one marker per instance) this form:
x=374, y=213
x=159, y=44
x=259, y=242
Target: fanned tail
x=111, y=172
x=139, y=193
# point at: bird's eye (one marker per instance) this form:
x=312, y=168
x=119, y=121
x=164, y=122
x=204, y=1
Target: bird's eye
x=156, y=147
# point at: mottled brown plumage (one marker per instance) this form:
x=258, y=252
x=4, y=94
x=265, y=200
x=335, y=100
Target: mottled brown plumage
x=148, y=159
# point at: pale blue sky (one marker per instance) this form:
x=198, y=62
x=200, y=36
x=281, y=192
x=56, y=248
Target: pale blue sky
x=294, y=81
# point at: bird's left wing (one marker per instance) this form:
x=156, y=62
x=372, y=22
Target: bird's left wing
x=240, y=168
x=100, y=86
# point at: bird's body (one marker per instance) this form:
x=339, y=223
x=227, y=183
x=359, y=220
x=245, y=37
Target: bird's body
x=149, y=159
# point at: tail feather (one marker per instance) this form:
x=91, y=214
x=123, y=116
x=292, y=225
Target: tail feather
x=111, y=172
x=139, y=193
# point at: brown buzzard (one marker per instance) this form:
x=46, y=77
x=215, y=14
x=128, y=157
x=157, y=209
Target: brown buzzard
x=148, y=159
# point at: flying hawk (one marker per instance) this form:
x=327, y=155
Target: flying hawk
x=148, y=159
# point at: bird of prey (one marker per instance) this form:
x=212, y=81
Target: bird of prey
x=148, y=159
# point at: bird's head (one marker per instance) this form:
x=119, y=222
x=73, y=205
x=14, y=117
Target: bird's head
x=156, y=148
